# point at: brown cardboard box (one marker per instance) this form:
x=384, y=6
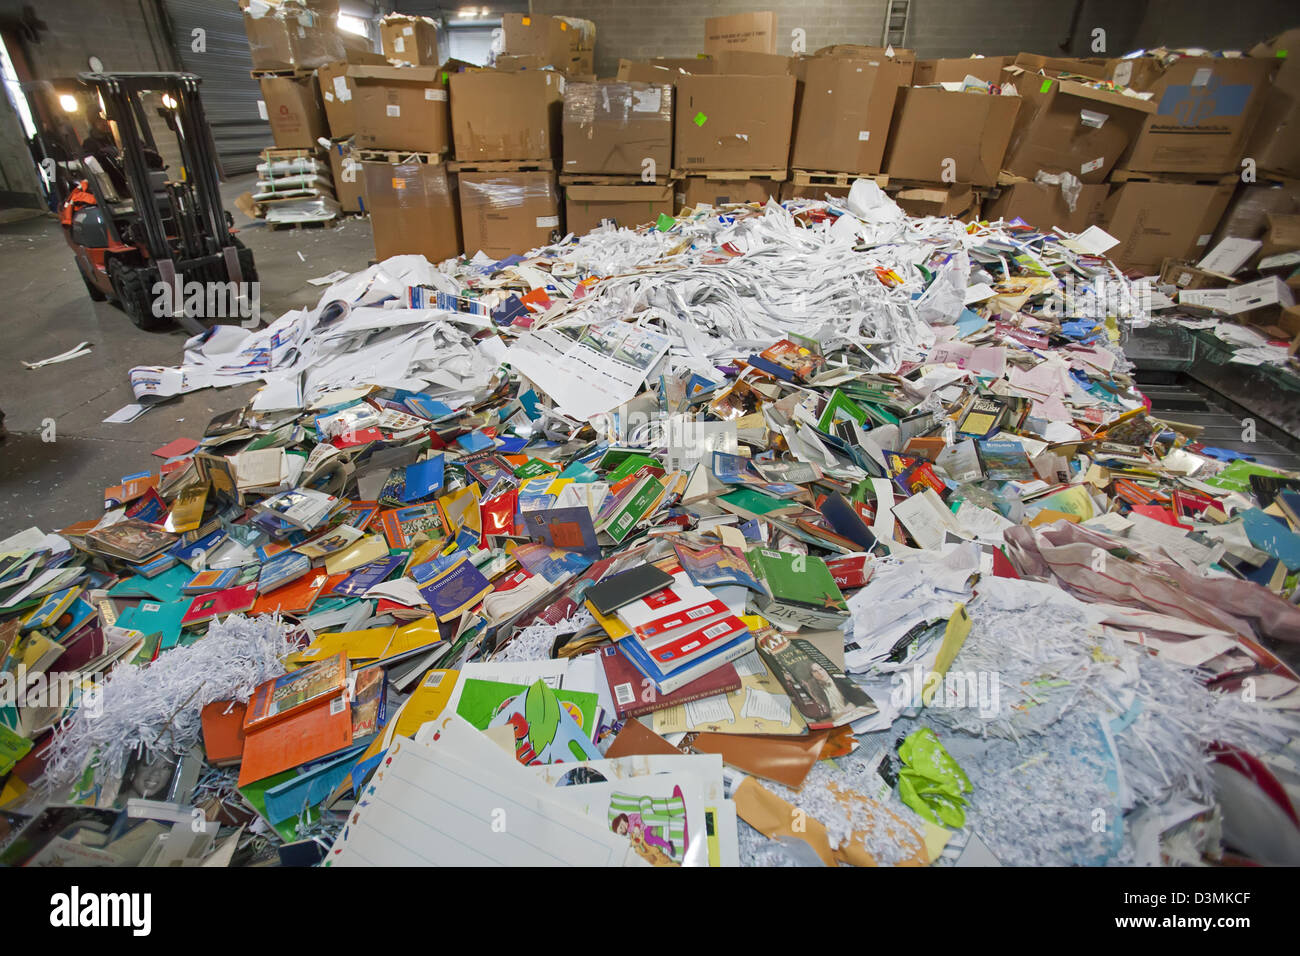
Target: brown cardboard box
x=1184, y=275
x=845, y=114
x=1066, y=125
x=1206, y=108
x=932, y=126
x=297, y=35
x=1283, y=235
x=719, y=192
x=411, y=40
x=294, y=110
x=413, y=210
x=1275, y=143
x=755, y=32
x=1247, y=215
x=498, y=116
x=1154, y=221
x=754, y=64
x=565, y=43
x=575, y=65
x=1098, y=69
x=612, y=128
x=956, y=69
x=956, y=199
x=401, y=107
x=734, y=122
x=664, y=69
x=791, y=191
x=1043, y=206
x=349, y=177
x=338, y=91
x=586, y=207
x=508, y=213
x=876, y=55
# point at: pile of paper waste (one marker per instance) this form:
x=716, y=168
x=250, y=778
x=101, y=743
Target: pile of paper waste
x=805, y=534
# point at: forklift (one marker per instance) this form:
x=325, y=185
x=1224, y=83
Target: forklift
x=133, y=225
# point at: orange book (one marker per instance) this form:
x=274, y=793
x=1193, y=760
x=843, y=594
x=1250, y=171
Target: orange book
x=223, y=733
x=296, y=597
x=316, y=731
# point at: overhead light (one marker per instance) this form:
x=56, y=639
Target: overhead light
x=69, y=103
x=169, y=101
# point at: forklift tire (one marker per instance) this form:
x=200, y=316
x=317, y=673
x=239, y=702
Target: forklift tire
x=133, y=294
x=96, y=294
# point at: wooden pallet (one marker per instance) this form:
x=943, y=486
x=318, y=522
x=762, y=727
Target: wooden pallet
x=1181, y=179
x=818, y=177
x=592, y=179
x=269, y=74
x=776, y=175
x=277, y=153
x=894, y=185
x=396, y=156
x=502, y=166
x=310, y=224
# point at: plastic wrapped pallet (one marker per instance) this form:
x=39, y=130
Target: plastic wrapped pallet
x=509, y=212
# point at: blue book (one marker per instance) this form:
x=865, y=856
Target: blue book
x=281, y=570
x=368, y=575
x=455, y=591
x=733, y=650
x=423, y=479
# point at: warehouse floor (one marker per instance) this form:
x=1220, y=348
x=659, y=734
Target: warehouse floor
x=52, y=484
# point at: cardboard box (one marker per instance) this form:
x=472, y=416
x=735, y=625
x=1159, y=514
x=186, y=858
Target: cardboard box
x=1098, y=69
x=755, y=32
x=753, y=64
x=1275, y=143
x=1066, y=125
x=791, y=191
x=845, y=114
x=499, y=116
x=411, y=40
x=718, y=192
x=1155, y=221
x=349, y=177
x=933, y=126
x=734, y=122
x=508, y=213
x=338, y=92
x=1282, y=235
x=401, y=107
x=413, y=210
x=586, y=207
x=1044, y=207
x=875, y=55
x=1253, y=203
x=294, y=110
x=664, y=69
x=297, y=35
x=564, y=43
x=1187, y=278
x=573, y=66
x=612, y=128
x=955, y=70
x=1206, y=108
x=957, y=199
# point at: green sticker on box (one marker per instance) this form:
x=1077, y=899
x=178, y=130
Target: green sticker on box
x=1047, y=85
x=444, y=77
x=700, y=119
x=665, y=222
x=1281, y=54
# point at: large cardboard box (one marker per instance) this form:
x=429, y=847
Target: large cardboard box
x=1275, y=143
x=401, y=107
x=756, y=64
x=563, y=43
x=411, y=40
x=294, y=110
x=845, y=114
x=956, y=69
x=1067, y=125
x=1045, y=208
x=578, y=64
x=719, y=192
x=734, y=122
x=508, y=213
x=613, y=128
x=413, y=210
x=292, y=35
x=664, y=69
x=338, y=91
x=953, y=199
x=497, y=115
x=349, y=176
x=1206, y=108
x=1154, y=221
x=755, y=32
x=586, y=207
x=792, y=191
x=1251, y=206
x=1098, y=69
x=876, y=55
x=938, y=136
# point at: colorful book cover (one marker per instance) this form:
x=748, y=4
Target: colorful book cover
x=455, y=590
x=635, y=695
x=281, y=570
x=211, y=580
x=549, y=726
x=824, y=695
x=633, y=508
x=567, y=528
x=716, y=566
x=551, y=563
x=422, y=479
x=230, y=601
x=401, y=525
x=1005, y=461
x=361, y=580
x=280, y=696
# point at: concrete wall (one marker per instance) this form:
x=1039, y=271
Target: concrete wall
x=1212, y=23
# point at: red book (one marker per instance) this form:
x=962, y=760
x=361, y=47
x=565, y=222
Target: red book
x=230, y=601
x=635, y=695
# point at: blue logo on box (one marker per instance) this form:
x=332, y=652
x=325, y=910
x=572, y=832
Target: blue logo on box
x=1193, y=105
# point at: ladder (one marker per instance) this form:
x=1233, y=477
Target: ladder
x=898, y=19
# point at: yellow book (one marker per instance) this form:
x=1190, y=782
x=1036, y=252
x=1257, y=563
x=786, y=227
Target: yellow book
x=362, y=551
x=187, y=509
x=427, y=701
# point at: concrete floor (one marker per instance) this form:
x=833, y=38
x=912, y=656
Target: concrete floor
x=53, y=484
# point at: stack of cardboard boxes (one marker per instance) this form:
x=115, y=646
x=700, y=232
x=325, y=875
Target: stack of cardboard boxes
x=564, y=44
x=506, y=127
x=338, y=91
x=402, y=135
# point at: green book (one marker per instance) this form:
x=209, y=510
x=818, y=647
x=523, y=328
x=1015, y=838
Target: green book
x=633, y=508
x=481, y=700
x=840, y=408
x=801, y=591
x=628, y=465
x=747, y=499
